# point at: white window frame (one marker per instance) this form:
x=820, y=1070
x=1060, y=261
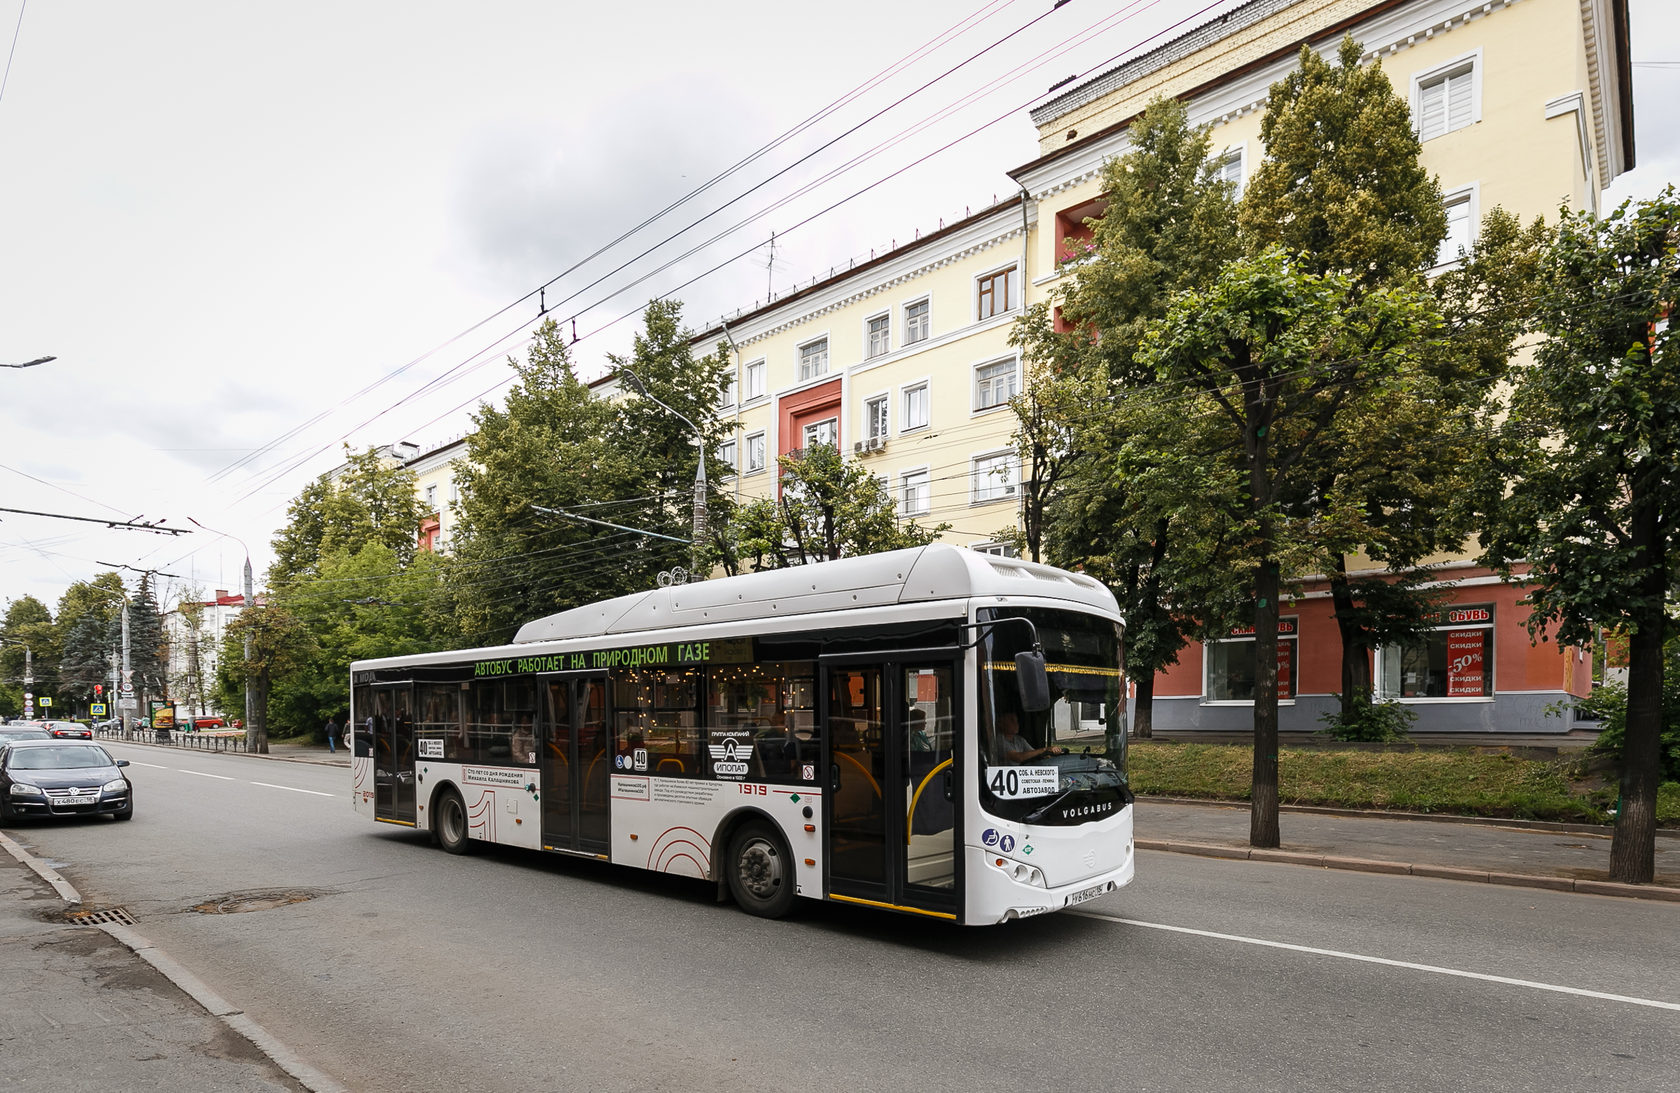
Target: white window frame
x=726, y=454
x=1013, y=305
x=884, y=398
x=870, y=352
x=1238, y=154
x=800, y=357
x=1472, y=61
x=924, y=476
x=431, y=497
x=927, y=329
x=809, y=427
x=997, y=550
x=904, y=393
x=1471, y=198
x=982, y=492
x=726, y=397
x=753, y=370
x=755, y=440
x=974, y=385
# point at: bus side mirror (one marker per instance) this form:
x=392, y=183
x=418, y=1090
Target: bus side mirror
x=1032, y=681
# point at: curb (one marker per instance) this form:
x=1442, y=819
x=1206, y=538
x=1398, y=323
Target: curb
x=1432, y=817
x=1661, y=893
x=189, y=984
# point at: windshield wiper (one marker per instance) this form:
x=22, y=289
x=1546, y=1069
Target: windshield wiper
x=1033, y=816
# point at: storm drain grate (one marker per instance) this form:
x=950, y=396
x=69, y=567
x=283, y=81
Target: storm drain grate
x=102, y=917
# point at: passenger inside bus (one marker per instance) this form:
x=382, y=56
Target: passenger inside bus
x=524, y=741
x=919, y=740
x=1016, y=748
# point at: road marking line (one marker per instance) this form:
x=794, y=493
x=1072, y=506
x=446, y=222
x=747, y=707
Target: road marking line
x=154, y=766
x=201, y=774
x=294, y=789
x=1360, y=957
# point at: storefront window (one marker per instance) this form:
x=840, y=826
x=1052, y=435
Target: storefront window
x=1230, y=665
x=1455, y=660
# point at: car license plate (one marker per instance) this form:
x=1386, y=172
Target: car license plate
x=75, y=801
x=1088, y=893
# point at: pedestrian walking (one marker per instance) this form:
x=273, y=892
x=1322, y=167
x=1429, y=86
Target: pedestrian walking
x=332, y=733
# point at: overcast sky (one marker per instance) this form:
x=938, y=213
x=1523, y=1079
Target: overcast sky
x=252, y=233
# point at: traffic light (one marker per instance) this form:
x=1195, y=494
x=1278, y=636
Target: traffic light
x=98, y=689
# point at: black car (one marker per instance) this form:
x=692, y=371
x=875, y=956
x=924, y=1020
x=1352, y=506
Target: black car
x=62, y=778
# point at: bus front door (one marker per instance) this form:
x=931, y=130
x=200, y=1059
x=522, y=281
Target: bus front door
x=393, y=752
x=575, y=761
x=892, y=731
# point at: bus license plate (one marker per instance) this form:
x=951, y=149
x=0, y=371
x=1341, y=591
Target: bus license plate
x=75, y=800
x=1089, y=893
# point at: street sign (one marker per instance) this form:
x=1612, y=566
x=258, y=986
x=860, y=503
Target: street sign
x=46, y=700
x=128, y=692
x=129, y=705
x=96, y=709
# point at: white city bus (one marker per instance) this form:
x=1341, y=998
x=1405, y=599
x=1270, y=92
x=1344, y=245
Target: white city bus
x=829, y=731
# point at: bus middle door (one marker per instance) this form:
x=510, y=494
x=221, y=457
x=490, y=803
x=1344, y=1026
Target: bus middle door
x=576, y=761
x=891, y=734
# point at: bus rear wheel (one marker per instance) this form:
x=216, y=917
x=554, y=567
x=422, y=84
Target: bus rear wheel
x=760, y=871
x=449, y=820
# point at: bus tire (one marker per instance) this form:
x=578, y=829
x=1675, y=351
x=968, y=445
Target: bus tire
x=449, y=821
x=760, y=870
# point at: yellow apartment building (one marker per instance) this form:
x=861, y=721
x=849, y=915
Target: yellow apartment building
x=904, y=361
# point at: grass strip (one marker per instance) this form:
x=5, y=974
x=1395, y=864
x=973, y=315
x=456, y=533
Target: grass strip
x=1456, y=781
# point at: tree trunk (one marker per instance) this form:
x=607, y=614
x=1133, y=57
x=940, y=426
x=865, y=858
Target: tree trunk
x=1633, y=845
x=1263, y=797
x=1356, y=663
x=1143, y=725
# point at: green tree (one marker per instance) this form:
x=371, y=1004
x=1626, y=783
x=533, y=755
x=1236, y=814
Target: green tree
x=1582, y=496
x=550, y=453
x=829, y=507
x=89, y=627
x=1341, y=187
x=279, y=645
x=1277, y=358
x=369, y=499
x=30, y=638
x=1085, y=504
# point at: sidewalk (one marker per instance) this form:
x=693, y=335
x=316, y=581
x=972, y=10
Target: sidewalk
x=1561, y=857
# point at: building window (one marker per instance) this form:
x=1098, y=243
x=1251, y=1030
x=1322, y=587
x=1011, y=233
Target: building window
x=826, y=431
x=997, y=292
x=916, y=322
x=1447, y=98
x=915, y=414
x=755, y=453
x=875, y=418
x=431, y=498
x=1229, y=168
x=813, y=359
x=915, y=493
x=726, y=454
x=754, y=387
x=1230, y=665
x=1460, y=228
x=994, y=477
x=997, y=550
x=994, y=384
x=1455, y=660
x=726, y=398
x=1076, y=229
x=880, y=336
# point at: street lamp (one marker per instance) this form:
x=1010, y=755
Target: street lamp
x=28, y=675
x=697, y=557
x=250, y=598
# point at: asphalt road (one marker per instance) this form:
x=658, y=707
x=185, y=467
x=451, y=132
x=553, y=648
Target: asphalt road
x=392, y=966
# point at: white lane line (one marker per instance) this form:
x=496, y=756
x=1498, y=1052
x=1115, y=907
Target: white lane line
x=201, y=774
x=1362, y=958
x=154, y=766
x=294, y=789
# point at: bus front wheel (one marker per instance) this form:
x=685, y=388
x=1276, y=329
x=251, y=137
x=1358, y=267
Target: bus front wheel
x=760, y=871
x=449, y=820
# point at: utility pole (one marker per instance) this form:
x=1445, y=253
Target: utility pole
x=126, y=695
x=28, y=682
x=249, y=600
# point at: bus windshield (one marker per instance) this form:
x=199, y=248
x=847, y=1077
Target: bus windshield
x=1065, y=765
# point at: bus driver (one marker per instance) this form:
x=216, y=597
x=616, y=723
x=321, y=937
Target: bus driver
x=1015, y=747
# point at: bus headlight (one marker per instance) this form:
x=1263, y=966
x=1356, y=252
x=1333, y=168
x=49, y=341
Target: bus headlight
x=1019, y=872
